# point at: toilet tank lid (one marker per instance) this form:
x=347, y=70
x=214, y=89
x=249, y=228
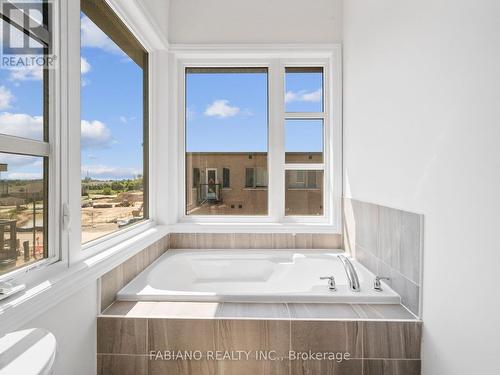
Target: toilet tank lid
x=28, y=352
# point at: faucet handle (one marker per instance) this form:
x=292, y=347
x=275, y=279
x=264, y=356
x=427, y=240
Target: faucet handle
x=331, y=282
x=377, y=285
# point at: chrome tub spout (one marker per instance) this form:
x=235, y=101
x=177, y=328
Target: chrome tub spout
x=352, y=275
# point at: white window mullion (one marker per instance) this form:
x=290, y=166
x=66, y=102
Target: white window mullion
x=276, y=140
x=73, y=174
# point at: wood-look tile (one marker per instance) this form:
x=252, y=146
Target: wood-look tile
x=327, y=367
x=261, y=241
x=165, y=243
x=152, y=253
x=134, y=266
x=182, y=367
x=111, y=283
x=409, y=292
x=182, y=334
x=185, y=310
x=394, y=340
x=381, y=311
x=121, y=365
x=366, y=218
x=349, y=226
x=283, y=241
x=242, y=240
x=130, y=309
x=411, y=227
x=327, y=336
x=326, y=241
x=215, y=240
x=254, y=367
x=312, y=311
x=392, y=367
x=389, y=235
x=253, y=310
x=303, y=241
x=253, y=335
x=121, y=335
x=183, y=241
x=367, y=259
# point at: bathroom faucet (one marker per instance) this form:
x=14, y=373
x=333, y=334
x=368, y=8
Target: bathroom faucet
x=352, y=276
x=377, y=285
x=331, y=282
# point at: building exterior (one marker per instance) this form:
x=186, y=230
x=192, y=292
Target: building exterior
x=235, y=183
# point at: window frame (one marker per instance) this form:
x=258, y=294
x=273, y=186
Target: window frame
x=100, y=243
x=328, y=58
x=80, y=251
x=50, y=149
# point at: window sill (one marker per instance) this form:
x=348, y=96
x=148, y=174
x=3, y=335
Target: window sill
x=60, y=281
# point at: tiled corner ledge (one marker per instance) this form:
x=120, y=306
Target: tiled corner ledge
x=42, y=294
x=268, y=311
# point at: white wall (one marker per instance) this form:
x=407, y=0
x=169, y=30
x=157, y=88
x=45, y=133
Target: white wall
x=422, y=133
x=256, y=21
x=73, y=322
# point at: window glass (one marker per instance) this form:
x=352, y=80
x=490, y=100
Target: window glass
x=23, y=202
x=21, y=94
x=227, y=139
x=304, y=192
x=114, y=123
x=24, y=114
x=226, y=178
x=304, y=141
x=304, y=89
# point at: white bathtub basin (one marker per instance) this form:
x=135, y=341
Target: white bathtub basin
x=251, y=276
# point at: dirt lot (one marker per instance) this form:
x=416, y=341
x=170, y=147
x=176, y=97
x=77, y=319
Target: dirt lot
x=97, y=222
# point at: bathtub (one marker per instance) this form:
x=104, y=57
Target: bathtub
x=252, y=276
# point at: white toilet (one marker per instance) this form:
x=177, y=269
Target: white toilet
x=28, y=352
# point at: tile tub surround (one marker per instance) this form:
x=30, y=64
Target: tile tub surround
x=128, y=331
x=118, y=277
x=255, y=241
x=389, y=243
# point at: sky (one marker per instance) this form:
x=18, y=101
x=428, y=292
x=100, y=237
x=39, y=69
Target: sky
x=227, y=112
x=111, y=111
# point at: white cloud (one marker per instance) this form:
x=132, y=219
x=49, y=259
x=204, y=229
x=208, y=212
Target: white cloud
x=92, y=36
x=21, y=125
x=85, y=66
x=6, y=97
x=31, y=73
x=221, y=108
x=303, y=96
x=111, y=173
x=95, y=134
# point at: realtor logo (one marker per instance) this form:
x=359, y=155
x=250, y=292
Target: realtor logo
x=26, y=34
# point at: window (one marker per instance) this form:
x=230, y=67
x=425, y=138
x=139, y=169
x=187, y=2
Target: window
x=114, y=125
x=255, y=178
x=304, y=141
x=226, y=178
x=304, y=89
x=304, y=193
x=26, y=154
x=226, y=129
x=272, y=126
